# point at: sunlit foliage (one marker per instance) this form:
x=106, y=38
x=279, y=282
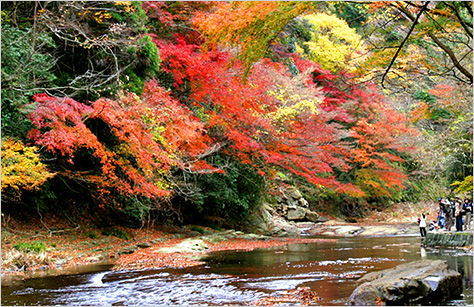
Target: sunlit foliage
x=334, y=45
x=22, y=167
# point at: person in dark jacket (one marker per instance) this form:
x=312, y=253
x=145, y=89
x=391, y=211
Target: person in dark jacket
x=448, y=214
x=457, y=213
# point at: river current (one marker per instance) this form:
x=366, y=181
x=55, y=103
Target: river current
x=330, y=269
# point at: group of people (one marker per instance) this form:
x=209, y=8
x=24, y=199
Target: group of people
x=454, y=213
x=451, y=213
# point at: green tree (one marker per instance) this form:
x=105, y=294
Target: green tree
x=27, y=68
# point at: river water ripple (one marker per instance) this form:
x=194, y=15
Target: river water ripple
x=240, y=278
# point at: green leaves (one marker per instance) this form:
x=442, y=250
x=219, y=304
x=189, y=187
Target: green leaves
x=26, y=70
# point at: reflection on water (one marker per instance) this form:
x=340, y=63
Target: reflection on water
x=239, y=278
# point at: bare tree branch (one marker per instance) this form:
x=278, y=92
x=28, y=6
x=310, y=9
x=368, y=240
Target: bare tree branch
x=465, y=24
x=404, y=41
x=441, y=45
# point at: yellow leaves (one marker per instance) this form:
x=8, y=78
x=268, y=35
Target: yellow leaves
x=334, y=44
x=98, y=17
x=250, y=26
x=21, y=166
x=464, y=186
x=126, y=4
x=292, y=104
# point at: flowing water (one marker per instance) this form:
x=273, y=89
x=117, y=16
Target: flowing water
x=240, y=278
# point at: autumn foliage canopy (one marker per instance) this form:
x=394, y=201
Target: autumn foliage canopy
x=219, y=93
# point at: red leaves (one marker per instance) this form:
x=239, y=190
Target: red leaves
x=263, y=124
x=302, y=296
x=154, y=134
x=309, y=125
x=61, y=119
x=244, y=113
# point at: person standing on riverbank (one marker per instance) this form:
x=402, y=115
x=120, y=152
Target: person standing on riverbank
x=448, y=214
x=457, y=213
x=441, y=216
x=467, y=207
x=422, y=224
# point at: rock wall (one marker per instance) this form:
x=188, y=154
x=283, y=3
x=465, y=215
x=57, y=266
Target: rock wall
x=454, y=239
x=283, y=217
x=292, y=206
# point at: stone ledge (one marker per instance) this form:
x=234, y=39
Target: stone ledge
x=448, y=239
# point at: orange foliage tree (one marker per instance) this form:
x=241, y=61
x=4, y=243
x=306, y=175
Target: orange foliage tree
x=303, y=124
x=378, y=135
x=336, y=136
x=249, y=27
x=141, y=141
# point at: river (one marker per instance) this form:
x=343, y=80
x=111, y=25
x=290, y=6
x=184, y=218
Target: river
x=239, y=278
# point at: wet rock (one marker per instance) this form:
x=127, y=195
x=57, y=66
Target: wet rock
x=159, y=240
x=143, y=245
x=379, y=230
x=214, y=239
x=178, y=236
x=186, y=246
x=92, y=259
x=347, y=230
x=314, y=217
x=128, y=250
x=193, y=234
x=423, y=282
x=208, y=232
x=252, y=236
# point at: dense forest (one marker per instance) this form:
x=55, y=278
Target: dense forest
x=180, y=112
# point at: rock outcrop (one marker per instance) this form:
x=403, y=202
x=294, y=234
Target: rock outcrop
x=423, y=282
x=283, y=217
x=292, y=206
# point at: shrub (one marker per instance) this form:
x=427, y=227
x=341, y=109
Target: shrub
x=198, y=229
x=231, y=196
x=116, y=233
x=92, y=235
x=36, y=247
x=18, y=260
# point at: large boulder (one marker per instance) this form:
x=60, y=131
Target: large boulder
x=314, y=217
x=295, y=213
x=423, y=282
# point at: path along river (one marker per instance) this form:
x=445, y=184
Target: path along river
x=239, y=278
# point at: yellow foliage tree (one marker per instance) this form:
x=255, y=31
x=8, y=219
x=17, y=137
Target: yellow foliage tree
x=21, y=167
x=464, y=186
x=334, y=45
x=294, y=99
